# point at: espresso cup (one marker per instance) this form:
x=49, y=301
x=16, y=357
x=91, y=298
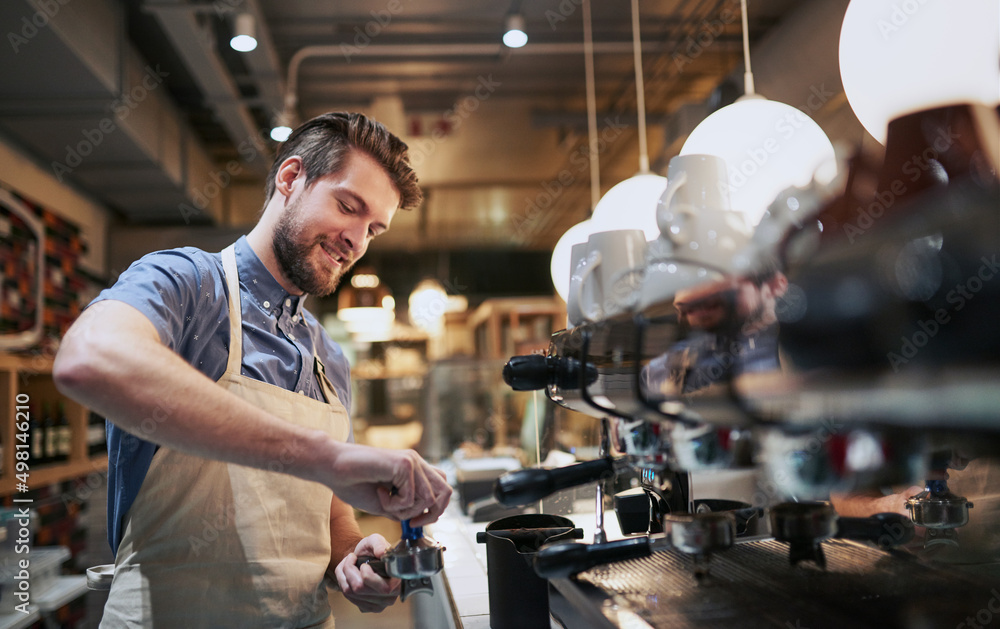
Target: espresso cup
x=611, y=274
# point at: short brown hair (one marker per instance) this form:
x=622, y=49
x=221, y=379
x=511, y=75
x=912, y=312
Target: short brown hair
x=324, y=141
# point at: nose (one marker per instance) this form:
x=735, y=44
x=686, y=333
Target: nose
x=354, y=237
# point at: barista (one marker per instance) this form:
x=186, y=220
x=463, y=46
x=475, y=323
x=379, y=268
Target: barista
x=231, y=473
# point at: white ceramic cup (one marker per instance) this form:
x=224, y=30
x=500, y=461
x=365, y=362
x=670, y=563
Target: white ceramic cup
x=578, y=262
x=611, y=275
x=694, y=214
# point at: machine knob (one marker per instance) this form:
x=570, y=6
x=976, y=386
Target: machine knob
x=534, y=372
x=527, y=373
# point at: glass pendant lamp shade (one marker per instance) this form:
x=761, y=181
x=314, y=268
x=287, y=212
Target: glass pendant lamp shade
x=898, y=57
x=631, y=204
x=768, y=146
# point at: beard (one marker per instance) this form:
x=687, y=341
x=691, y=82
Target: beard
x=295, y=254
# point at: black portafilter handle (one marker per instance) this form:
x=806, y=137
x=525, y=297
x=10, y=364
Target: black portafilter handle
x=522, y=487
x=562, y=560
x=884, y=529
x=534, y=372
x=377, y=565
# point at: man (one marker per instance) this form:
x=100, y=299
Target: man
x=231, y=471
x=730, y=329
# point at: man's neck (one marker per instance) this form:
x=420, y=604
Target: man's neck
x=260, y=240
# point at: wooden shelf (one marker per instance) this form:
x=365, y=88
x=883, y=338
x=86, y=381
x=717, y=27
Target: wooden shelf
x=32, y=375
x=506, y=327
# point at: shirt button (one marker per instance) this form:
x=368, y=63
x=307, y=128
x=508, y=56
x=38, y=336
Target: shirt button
x=291, y=337
x=301, y=392
x=295, y=319
x=288, y=303
x=267, y=304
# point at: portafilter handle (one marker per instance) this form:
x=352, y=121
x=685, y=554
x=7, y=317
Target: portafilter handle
x=559, y=561
x=884, y=529
x=522, y=487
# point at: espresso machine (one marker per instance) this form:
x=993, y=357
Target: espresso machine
x=836, y=368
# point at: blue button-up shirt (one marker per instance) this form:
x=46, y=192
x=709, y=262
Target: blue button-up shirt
x=183, y=293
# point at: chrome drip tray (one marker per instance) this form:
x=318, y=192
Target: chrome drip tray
x=753, y=585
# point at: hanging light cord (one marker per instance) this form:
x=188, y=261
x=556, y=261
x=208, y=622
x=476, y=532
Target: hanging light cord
x=595, y=162
x=640, y=98
x=748, y=74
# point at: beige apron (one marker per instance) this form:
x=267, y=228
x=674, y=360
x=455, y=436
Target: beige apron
x=212, y=544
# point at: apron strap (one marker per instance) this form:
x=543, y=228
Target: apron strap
x=234, y=364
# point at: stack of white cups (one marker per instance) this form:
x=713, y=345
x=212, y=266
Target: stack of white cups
x=701, y=238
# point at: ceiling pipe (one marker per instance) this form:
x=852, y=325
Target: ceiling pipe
x=439, y=50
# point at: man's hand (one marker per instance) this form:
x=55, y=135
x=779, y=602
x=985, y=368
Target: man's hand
x=396, y=483
x=866, y=504
x=361, y=586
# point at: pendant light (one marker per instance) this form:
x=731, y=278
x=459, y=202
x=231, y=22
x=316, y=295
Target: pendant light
x=900, y=57
x=631, y=204
x=244, y=33
x=559, y=267
x=768, y=146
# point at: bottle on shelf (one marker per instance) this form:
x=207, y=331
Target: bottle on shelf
x=64, y=437
x=96, y=435
x=37, y=437
x=51, y=434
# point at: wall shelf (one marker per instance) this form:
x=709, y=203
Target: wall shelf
x=32, y=376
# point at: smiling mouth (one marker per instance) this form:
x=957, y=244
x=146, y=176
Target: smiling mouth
x=336, y=256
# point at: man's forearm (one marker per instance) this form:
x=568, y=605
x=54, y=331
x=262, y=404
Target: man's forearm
x=146, y=389
x=344, y=531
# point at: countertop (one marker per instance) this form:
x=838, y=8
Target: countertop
x=465, y=568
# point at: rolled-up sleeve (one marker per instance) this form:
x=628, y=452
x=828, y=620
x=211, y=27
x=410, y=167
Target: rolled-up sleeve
x=165, y=287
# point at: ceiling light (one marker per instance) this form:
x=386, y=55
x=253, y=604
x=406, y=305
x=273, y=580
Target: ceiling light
x=768, y=146
x=245, y=33
x=283, y=123
x=280, y=133
x=632, y=203
x=515, y=37
x=428, y=304
x=901, y=57
x=366, y=305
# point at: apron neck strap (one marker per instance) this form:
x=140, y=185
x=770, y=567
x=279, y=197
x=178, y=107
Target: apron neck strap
x=235, y=361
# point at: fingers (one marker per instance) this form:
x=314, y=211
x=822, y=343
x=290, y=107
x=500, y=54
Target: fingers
x=364, y=588
x=400, y=484
x=441, y=492
x=374, y=545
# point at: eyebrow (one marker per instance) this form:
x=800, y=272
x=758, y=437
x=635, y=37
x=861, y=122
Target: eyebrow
x=363, y=207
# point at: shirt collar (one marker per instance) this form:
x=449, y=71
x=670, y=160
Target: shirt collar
x=259, y=282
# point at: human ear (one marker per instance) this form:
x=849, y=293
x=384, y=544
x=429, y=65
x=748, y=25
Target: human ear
x=287, y=174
